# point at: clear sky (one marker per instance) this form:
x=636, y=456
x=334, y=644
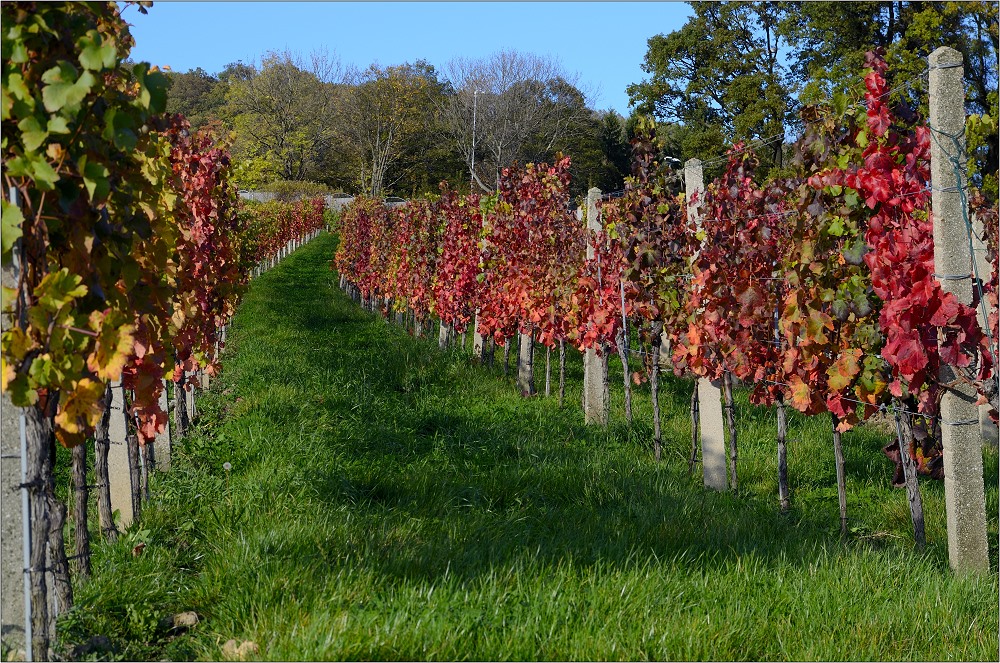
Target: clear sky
x=603, y=42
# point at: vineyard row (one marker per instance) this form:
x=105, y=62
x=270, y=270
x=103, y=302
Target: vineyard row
x=846, y=285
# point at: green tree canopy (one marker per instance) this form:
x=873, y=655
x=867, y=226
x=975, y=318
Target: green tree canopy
x=720, y=78
x=197, y=95
x=738, y=70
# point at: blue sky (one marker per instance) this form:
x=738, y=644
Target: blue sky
x=603, y=42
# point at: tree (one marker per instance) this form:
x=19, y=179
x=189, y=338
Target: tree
x=281, y=117
x=427, y=159
x=196, y=95
x=521, y=106
x=389, y=120
x=613, y=136
x=829, y=47
x=719, y=77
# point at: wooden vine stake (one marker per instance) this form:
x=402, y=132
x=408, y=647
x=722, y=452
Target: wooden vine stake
x=58, y=564
x=562, y=372
x=102, y=475
x=695, y=418
x=548, y=371
x=727, y=391
x=81, y=533
x=783, y=498
x=654, y=388
x=838, y=454
x=904, y=434
x=621, y=341
x=181, y=418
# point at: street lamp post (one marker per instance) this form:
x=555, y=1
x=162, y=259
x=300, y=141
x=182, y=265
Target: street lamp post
x=472, y=166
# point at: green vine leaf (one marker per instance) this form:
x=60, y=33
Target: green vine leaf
x=94, y=54
x=65, y=91
x=12, y=218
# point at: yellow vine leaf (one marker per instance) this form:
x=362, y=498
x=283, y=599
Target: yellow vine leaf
x=7, y=372
x=113, y=348
x=17, y=344
x=843, y=371
x=79, y=412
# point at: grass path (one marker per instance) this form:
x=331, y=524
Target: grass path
x=388, y=501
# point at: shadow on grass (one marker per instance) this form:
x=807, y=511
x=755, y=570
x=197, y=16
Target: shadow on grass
x=456, y=475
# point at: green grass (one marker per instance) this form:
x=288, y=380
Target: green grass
x=388, y=501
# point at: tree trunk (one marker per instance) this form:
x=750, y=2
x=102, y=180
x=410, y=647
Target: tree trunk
x=904, y=435
x=695, y=418
x=838, y=453
x=727, y=386
x=38, y=432
x=526, y=364
x=654, y=389
x=621, y=340
x=506, y=357
x=783, y=499
x=562, y=372
x=102, y=476
x=81, y=533
x=548, y=371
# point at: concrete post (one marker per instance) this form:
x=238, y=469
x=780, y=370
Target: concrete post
x=713, y=441
x=443, y=332
x=118, y=469
x=161, y=443
x=665, y=351
x=12, y=576
x=478, y=346
x=526, y=364
x=189, y=395
x=991, y=435
x=965, y=496
x=596, y=394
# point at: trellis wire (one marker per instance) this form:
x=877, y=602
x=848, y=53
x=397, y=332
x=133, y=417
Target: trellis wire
x=960, y=188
